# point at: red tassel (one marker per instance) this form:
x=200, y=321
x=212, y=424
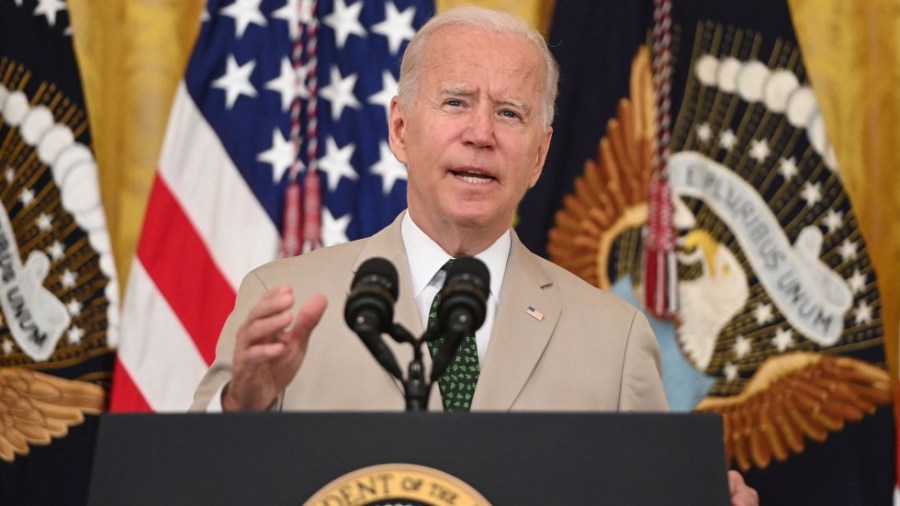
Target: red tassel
x=293, y=228
x=659, y=270
x=312, y=212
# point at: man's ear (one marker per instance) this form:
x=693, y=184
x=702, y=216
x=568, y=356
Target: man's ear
x=541, y=157
x=397, y=130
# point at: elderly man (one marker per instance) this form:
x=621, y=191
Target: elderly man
x=472, y=124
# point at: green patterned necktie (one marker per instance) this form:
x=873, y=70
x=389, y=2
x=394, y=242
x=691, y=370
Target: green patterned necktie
x=458, y=382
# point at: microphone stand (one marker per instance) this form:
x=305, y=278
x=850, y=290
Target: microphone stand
x=416, y=388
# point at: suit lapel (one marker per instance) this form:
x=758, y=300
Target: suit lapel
x=518, y=338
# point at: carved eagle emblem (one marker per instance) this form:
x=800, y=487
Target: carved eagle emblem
x=774, y=386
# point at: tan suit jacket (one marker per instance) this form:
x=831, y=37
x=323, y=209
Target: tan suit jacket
x=590, y=351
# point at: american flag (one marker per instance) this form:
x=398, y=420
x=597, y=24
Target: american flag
x=275, y=89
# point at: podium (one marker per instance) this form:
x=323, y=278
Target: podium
x=509, y=459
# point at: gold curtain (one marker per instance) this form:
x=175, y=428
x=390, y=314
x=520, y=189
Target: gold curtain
x=131, y=53
x=852, y=53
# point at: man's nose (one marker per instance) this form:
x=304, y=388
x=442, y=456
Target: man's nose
x=480, y=128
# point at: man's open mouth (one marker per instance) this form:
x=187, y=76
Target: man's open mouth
x=472, y=176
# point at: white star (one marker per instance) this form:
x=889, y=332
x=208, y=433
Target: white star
x=75, y=334
x=334, y=231
x=759, y=150
x=244, y=12
x=388, y=91
x=783, y=339
x=833, y=220
x=204, y=14
x=280, y=156
x=397, y=26
x=704, y=133
x=344, y=21
x=863, y=313
x=336, y=163
x=67, y=279
x=27, y=197
x=848, y=249
x=56, y=250
x=340, y=92
x=49, y=8
x=18, y=3
x=295, y=15
x=857, y=281
x=284, y=84
x=10, y=175
x=742, y=346
x=7, y=347
x=811, y=193
x=727, y=140
x=289, y=84
x=788, y=168
x=74, y=307
x=44, y=222
x=763, y=313
x=731, y=371
x=388, y=168
x=236, y=81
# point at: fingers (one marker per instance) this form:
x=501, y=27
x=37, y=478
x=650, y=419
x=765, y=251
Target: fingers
x=285, y=343
x=269, y=350
x=270, y=316
x=307, y=318
x=741, y=493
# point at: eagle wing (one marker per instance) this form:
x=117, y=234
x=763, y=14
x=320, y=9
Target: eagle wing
x=794, y=397
x=611, y=195
x=36, y=407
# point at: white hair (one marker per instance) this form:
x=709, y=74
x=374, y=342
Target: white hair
x=486, y=20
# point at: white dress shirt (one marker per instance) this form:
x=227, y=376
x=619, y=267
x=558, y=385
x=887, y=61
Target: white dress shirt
x=425, y=260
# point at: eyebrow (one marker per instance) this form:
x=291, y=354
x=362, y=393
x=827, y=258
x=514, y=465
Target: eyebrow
x=454, y=90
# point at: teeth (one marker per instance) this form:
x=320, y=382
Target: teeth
x=474, y=179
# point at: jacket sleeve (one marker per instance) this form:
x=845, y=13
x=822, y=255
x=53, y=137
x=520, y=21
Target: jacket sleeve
x=642, y=386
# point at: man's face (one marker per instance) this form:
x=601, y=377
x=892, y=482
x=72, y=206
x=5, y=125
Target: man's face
x=472, y=138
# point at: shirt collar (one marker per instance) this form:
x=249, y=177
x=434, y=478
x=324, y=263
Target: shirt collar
x=425, y=257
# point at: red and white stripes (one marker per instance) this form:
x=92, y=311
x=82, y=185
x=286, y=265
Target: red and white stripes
x=188, y=265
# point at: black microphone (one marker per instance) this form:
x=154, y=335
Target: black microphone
x=464, y=296
x=370, y=308
x=462, y=308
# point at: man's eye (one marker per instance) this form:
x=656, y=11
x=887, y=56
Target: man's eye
x=506, y=113
x=454, y=103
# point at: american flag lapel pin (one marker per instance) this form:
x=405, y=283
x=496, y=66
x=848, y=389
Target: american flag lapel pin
x=537, y=315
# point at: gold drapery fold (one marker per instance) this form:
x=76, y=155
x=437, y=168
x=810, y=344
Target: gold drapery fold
x=131, y=55
x=852, y=54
